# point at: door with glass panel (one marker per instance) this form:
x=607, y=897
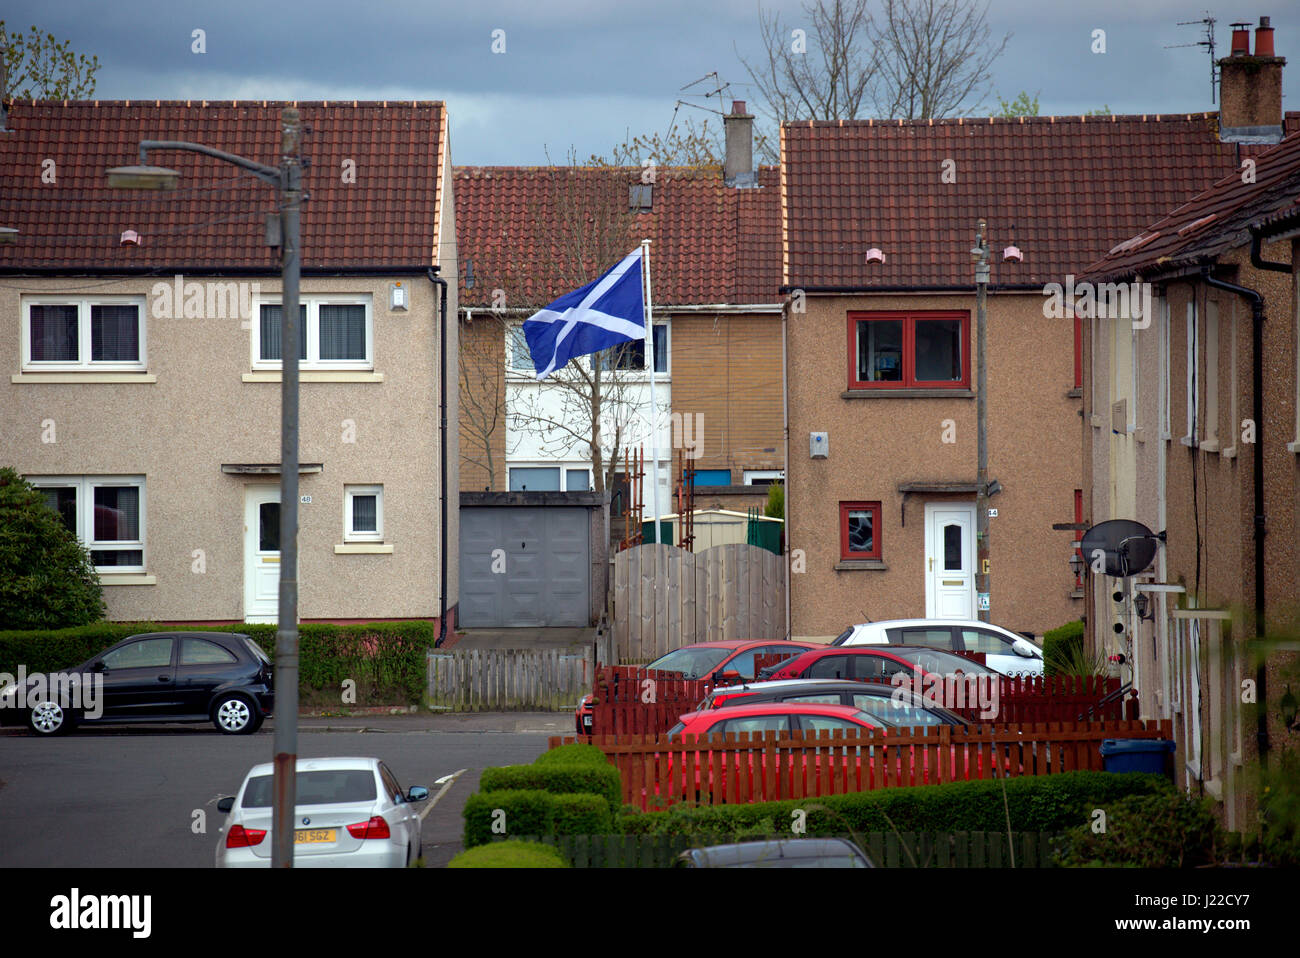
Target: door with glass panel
x=949, y=561
x=261, y=553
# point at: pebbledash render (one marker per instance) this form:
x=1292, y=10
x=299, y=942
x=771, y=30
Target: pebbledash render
x=143, y=394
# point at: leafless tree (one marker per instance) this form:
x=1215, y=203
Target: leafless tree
x=913, y=59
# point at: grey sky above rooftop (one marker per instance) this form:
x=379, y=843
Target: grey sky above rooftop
x=586, y=73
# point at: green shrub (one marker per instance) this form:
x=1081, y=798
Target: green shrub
x=1063, y=652
x=387, y=660
x=1046, y=803
x=509, y=855
x=47, y=577
x=1170, y=830
x=582, y=815
x=526, y=813
x=602, y=780
x=578, y=753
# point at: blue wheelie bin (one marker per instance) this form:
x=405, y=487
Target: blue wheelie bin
x=1149, y=755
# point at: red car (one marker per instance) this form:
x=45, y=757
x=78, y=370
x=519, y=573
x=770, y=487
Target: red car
x=725, y=662
x=874, y=663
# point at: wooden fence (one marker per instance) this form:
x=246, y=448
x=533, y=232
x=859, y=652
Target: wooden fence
x=1034, y=698
x=885, y=849
x=666, y=597
x=481, y=680
x=657, y=771
x=631, y=701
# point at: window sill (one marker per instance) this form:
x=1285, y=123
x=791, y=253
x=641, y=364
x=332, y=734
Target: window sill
x=1210, y=445
x=1293, y=446
x=1188, y=441
x=908, y=393
x=861, y=565
x=89, y=376
x=364, y=548
x=127, y=578
x=317, y=376
x=1075, y=393
x=1076, y=594
x=1229, y=453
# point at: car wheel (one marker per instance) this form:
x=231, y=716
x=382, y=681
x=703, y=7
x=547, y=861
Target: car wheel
x=235, y=715
x=50, y=718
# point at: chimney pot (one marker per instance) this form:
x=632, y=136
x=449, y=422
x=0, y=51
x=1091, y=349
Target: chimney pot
x=738, y=131
x=738, y=106
x=1240, y=40
x=1264, y=38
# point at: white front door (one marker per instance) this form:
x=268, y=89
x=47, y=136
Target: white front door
x=261, y=553
x=949, y=561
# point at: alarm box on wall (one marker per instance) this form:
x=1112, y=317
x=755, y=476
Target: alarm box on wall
x=819, y=445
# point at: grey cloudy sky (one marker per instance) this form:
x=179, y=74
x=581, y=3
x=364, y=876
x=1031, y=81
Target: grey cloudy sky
x=583, y=73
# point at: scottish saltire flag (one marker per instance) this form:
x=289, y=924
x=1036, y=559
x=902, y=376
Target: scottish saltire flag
x=608, y=311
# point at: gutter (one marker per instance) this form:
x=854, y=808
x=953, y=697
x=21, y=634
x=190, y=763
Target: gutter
x=442, y=452
x=1257, y=259
x=1257, y=411
x=913, y=288
x=167, y=271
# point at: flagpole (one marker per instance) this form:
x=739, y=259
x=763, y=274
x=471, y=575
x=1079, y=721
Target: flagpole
x=654, y=405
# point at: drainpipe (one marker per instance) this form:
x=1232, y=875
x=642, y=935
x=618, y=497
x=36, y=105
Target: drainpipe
x=442, y=453
x=1257, y=411
x=1257, y=259
x=785, y=427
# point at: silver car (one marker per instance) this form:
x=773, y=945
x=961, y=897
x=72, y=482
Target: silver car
x=1005, y=651
x=349, y=813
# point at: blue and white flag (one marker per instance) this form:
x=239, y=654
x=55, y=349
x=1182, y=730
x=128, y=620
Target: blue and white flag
x=608, y=311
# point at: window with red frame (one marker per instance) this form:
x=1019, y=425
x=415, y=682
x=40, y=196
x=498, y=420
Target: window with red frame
x=909, y=350
x=860, y=530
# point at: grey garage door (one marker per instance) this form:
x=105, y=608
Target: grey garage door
x=543, y=568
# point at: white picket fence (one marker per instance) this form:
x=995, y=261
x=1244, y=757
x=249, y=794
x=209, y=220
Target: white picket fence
x=504, y=680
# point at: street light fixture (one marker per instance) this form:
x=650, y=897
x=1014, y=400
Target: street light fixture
x=287, y=179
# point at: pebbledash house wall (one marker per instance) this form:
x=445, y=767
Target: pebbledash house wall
x=200, y=413
x=878, y=443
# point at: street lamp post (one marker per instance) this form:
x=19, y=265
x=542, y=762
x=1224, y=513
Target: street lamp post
x=287, y=179
x=981, y=256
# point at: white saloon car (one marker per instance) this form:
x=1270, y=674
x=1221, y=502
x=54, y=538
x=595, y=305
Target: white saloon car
x=350, y=813
x=1005, y=651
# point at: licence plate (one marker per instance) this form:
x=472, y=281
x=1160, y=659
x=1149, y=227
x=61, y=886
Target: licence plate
x=308, y=836
x=586, y=720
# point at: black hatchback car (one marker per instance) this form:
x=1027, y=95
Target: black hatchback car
x=219, y=677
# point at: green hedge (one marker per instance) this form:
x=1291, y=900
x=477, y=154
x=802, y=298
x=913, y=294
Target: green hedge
x=582, y=815
x=602, y=780
x=526, y=813
x=1037, y=803
x=1170, y=830
x=509, y=855
x=387, y=660
x=1057, y=645
x=576, y=754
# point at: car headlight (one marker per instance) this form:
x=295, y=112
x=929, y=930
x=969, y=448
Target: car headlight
x=8, y=695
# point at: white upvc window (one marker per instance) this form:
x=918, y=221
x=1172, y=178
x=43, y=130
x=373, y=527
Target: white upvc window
x=336, y=331
x=83, y=333
x=363, y=513
x=763, y=477
x=1193, y=376
x=518, y=357
x=106, y=513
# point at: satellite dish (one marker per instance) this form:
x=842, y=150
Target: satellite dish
x=1130, y=547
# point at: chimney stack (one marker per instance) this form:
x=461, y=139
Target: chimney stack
x=1250, y=88
x=738, y=167
x=4, y=89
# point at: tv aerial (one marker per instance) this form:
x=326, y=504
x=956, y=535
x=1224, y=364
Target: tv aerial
x=1129, y=547
x=1208, y=22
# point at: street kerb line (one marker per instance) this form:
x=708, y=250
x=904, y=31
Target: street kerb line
x=441, y=792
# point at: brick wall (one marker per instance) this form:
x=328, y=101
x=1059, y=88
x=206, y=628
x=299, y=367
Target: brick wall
x=482, y=404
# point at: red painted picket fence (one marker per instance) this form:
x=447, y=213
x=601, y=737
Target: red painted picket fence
x=657, y=771
x=628, y=700
x=1027, y=698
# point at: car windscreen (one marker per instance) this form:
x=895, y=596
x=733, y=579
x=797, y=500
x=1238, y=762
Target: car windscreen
x=932, y=660
x=691, y=663
x=340, y=786
x=843, y=636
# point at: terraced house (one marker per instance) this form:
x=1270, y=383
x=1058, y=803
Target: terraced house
x=878, y=223
x=142, y=338
x=1192, y=427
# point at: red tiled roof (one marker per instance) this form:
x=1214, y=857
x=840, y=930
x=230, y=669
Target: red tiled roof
x=711, y=243
x=216, y=218
x=1071, y=187
x=1212, y=222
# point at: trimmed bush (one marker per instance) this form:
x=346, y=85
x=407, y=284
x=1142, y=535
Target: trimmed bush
x=387, y=660
x=578, y=753
x=526, y=813
x=47, y=577
x=1047, y=803
x=509, y=855
x=1170, y=830
x=602, y=780
x=1061, y=647
x=582, y=815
